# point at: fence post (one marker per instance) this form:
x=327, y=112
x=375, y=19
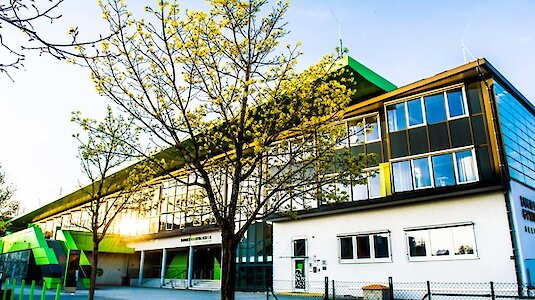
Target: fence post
x=428, y=290
x=13, y=286
x=43, y=291
x=391, y=287
x=58, y=291
x=334, y=293
x=492, y=294
x=32, y=288
x=6, y=286
x=326, y=296
x=21, y=295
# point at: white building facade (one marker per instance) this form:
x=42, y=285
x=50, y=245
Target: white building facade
x=453, y=198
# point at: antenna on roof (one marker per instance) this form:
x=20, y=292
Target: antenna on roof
x=339, y=33
x=463, y=47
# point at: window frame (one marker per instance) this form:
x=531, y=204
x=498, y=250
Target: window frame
x=366, y=171
x=429, y=157
x=358, y=119
x=465, y=103
x=421, y=96
x=422, y=106
x=429, y=169
x=428, y=242
x=371, y=242
x=474, y=165
x=299, y=238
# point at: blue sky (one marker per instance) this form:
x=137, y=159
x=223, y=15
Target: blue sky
x=404, y=41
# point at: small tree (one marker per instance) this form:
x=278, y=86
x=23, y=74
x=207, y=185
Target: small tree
x=105, y=146
x=8, y=206
x=218, y=89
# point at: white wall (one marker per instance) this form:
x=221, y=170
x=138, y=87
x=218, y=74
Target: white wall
x=486, y=211
x=206, y=238
x=524, y=229
x=113, y=266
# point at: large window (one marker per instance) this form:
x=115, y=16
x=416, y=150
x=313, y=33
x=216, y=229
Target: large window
x=451, y=241
x=427, y=109
x=370, y=187
x=365, y=130
x=435, y=170
x=364, y=247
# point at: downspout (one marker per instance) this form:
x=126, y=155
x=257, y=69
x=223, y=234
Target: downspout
x=505, y=178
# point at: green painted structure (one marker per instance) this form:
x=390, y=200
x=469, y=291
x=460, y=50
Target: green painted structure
x=31, y=238
x=178, y=267
x=51, y=256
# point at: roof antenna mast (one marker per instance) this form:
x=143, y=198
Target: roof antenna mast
x=341, y=50
x=463, y=47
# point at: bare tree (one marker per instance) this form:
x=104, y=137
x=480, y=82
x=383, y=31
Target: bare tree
x=26, y=16
x=104, y=147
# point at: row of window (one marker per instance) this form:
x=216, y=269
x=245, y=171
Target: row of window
x=449, y=241
x=438, y=170
x=444, y=242
x=429, y=109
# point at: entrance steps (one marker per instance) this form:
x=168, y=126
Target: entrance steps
x=179, y=284
x=206, y=285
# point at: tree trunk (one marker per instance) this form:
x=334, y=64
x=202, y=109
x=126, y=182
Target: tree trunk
x=228, y=264
x=94, y=266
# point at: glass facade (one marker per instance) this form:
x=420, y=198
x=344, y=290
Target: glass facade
x=518, y=131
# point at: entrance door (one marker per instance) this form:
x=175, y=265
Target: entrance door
x=299, y=274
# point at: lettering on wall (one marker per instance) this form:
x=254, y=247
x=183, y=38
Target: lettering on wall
x=197, y=238
x=528, y=213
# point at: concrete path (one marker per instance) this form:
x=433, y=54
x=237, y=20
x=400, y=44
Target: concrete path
x=135, y=293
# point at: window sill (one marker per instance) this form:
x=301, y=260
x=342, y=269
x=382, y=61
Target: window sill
x=364, y=261
x=443, y=258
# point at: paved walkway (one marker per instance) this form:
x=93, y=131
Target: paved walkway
x=134, y=293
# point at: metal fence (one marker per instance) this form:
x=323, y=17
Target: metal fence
x=392, y=290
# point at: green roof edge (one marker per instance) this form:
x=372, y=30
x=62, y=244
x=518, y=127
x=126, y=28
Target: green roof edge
x=369, y=75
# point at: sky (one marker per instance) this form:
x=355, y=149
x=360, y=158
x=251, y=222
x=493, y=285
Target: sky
x=403, y=41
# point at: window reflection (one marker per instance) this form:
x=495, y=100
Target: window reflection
x=435, y=171
x=454, y=241
x=443, y=170
x=456, y=106
x=396, y=117
x=414, y=109
x=422, y=176
x=372, y=129
x=435, y=111
x=417, y=242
